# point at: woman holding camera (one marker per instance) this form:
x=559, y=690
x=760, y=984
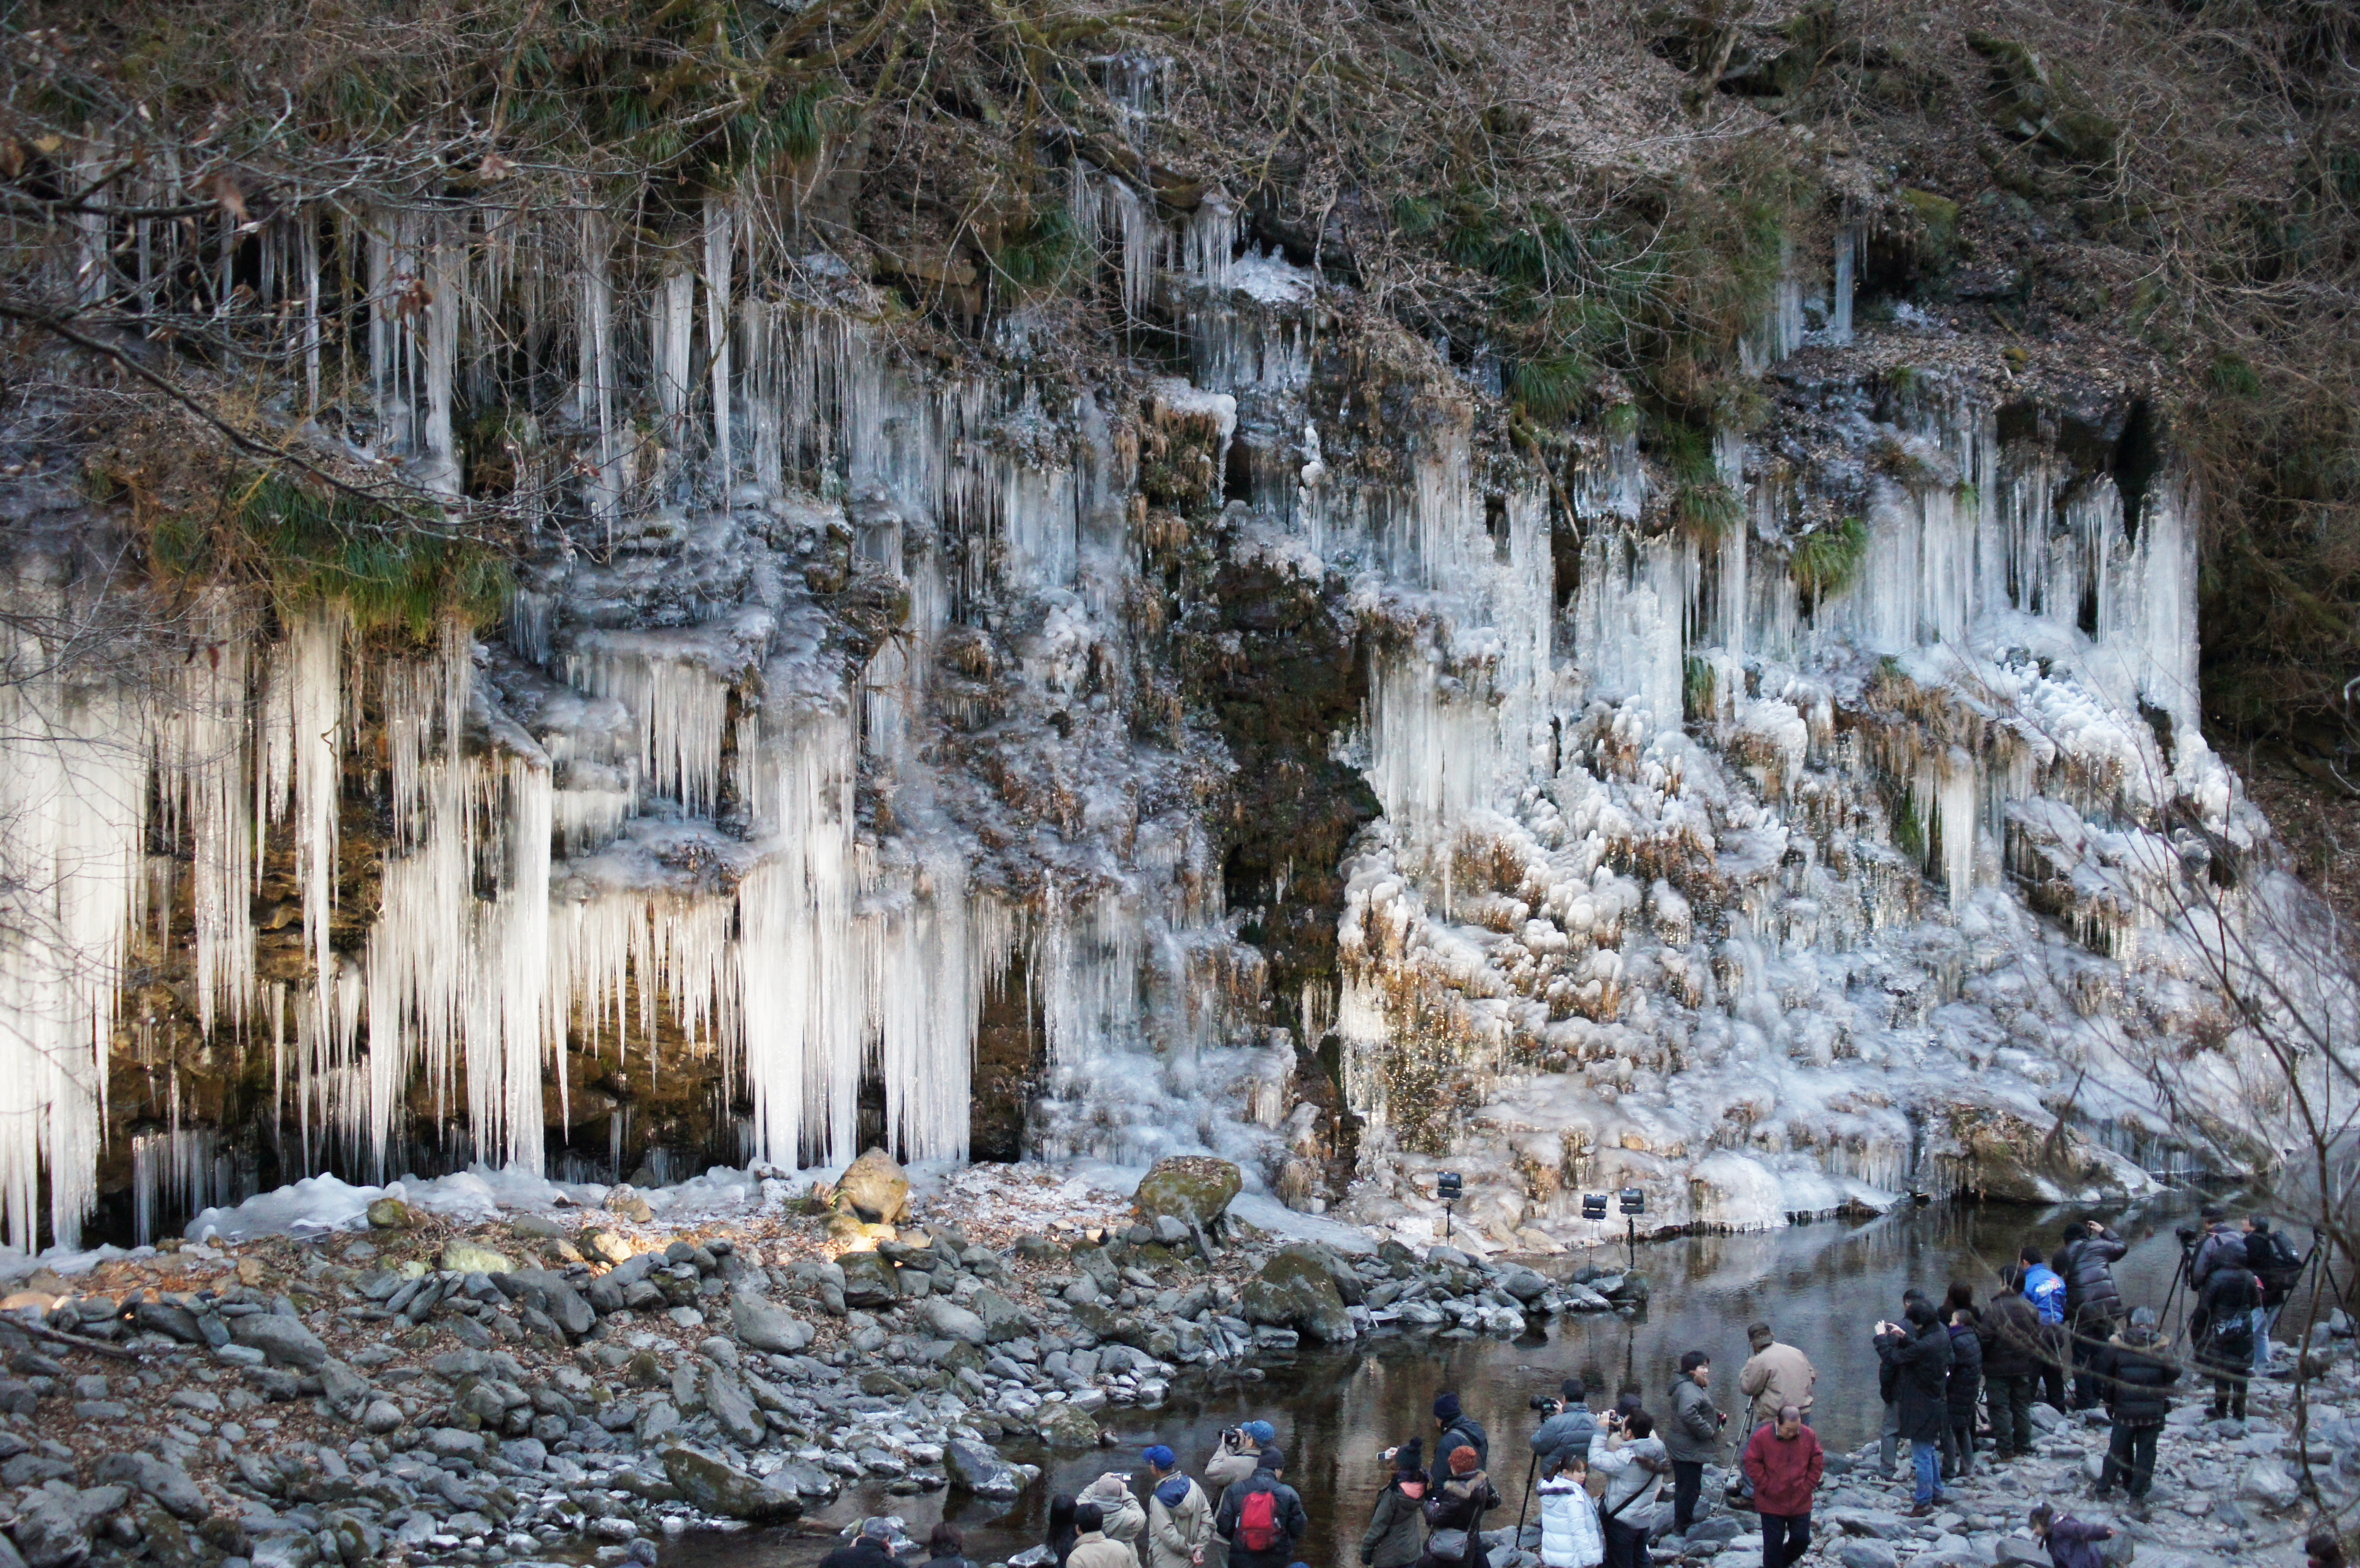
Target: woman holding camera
x=1397, y=1534
x=1631, y=1456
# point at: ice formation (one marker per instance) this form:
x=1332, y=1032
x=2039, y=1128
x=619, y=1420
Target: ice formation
x=825, y=728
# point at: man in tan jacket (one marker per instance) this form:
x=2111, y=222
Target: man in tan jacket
x=1091, y=1547
x=1179, y=1515
x=1776, y=1376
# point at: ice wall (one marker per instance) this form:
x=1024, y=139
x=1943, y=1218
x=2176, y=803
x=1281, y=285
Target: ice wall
x=830, y=718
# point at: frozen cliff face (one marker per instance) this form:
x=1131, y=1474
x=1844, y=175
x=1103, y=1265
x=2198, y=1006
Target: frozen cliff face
x=1167, y=733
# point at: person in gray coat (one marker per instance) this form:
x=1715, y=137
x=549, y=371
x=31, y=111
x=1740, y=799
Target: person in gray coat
x=1692, y=1437
x=1397, y=1534
x=1565, y=1435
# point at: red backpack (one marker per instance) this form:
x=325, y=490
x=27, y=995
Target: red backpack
x=1258, y=1521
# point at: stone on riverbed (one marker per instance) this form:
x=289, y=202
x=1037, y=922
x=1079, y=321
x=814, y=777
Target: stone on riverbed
x=1064, y=1424
x=875, y=1188
x=283, y=1340
x=766, y=1325
x=719, y=1488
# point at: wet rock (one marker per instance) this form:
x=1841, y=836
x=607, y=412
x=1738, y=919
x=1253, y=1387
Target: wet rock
x=766, y=1325
x=1525, y=1284
x=980, y=1470
x=283, y=1340
x=1191, y=1188
x=1297, y=1291
x=389, y=1214
x=168, y=1485
x=2270, y=1483
x=720, y=1487
x=875, y=1188
x=1063, y=1425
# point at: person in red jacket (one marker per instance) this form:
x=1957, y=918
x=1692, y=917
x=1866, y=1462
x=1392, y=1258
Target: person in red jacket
x=1784, y=1462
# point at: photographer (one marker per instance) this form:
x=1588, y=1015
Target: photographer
x=2093, y=1304
x=1627, y=1452
x=1397, y=1534
x=1692, y=1436
x=2217, y=1243
x=1234, y=1459
x=2278, y=1265
x=1920, y=1355
x=1567, y=1425
x=1454, y=1427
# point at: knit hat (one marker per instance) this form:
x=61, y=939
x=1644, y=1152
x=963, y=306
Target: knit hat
x=1261, y=1431
x=1270, y=1459
x=1409, y=1459
x=1446, y=1407
x=1463, y=1459
x=878, y=1527
x=1160, y=1456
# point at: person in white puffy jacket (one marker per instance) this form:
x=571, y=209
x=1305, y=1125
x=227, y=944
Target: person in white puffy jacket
x=1569, y=1534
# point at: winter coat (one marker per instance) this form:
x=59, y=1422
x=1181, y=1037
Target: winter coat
x=2136, y=1380
x=1777, y=1374
x=1628, y=1474
x=1293, y=1523
x=2221, y=1247
x=2046, y=1292
x=1227, y=1466
x=1177, y=1531
x=2229, y=1297
x=1094, y=1549
x=1565, y=1433
x=1125, y=1521
x=1785, y=1470
x=1464, y=1433
x=861, y=1552
x=2087, y=1267
x=2011, y=1338
x=1569, y=1534
x=1460, y=1503
x=1396, y=1532
x=1693, y=1432
x=1921, y=1365
x=1965, y=1381
x=2073, y=1544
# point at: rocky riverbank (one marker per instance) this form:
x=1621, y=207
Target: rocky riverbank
x=593, y=1375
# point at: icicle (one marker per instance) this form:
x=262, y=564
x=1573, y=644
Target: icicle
x=716, y=331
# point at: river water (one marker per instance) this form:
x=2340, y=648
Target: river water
x=1822, y=1286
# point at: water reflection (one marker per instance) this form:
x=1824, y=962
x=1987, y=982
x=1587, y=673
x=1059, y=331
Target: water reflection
x=1822, y=1286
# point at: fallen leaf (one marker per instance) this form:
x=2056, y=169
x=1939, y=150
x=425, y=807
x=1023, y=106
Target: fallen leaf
x=232, y=198
x=494, y=167
x=12, y=158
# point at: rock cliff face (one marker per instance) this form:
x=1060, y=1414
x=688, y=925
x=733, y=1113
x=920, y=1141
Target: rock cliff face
x=1264, y=748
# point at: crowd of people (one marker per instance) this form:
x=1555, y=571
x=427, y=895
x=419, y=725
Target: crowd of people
x=2057, y=1330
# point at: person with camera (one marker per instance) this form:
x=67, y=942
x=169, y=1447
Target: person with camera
x=2278, y=1267
x=1179, y=1515
x=1566, y=1426
x=2220, y=1330
x=1784, y=1461
x=1890, y=1442
x=2093, y=1304
x=1627, y=1452
x=1234, y=1459
x=2011, y=1366
x=1692, y=1435
x=1262, y=1517
x=1965, y=1383
x=1776, y=1375
x=1918, y=1352
x=1121, y=1518
x=1397, y=1534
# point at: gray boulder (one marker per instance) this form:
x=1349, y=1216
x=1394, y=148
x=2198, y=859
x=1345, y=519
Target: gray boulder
x=719, y=1488
x=766, y=1325
x=868, y=1280
x=726, y=1401
x=1003, y=1320
x=980, y=1470
x=283, y=1340
x=950, y=1321
x=168, y=1483
x=1193, y=1188
x=1064, y=1424
x=1865, y=1554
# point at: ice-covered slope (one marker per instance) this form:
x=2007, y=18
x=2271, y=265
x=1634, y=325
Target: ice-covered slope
x=862, y=709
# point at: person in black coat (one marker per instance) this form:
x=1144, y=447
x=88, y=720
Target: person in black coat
x=2011, y=1337
x=2093, y=1303
x=1964, y=1386
x=2137, y=1379
x=1920, y=1353
x=2221, y=1331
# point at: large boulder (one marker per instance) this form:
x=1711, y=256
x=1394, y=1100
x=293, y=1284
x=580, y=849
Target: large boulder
x=283, y=1340
x=168, y=1483
x=720, y=1487
x=951, y=1321
x=980, y=1470
x=1063, y=1425
x=2270, y=1483
x=1003, y=1320
x=1297, y=1291
x=875, y=1188
x=766, y=1325
x=1191, y=1188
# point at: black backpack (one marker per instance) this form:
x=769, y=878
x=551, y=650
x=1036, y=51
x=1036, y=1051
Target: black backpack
x=2280, y=1262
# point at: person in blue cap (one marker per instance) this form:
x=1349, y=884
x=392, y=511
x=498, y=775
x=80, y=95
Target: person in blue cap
x=1235, y=1458
x=1179, y=1515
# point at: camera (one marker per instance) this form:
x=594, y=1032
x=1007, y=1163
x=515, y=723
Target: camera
x=1232, y=1436
x=1546, y=1403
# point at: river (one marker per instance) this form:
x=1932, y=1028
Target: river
x=1821, y=1286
